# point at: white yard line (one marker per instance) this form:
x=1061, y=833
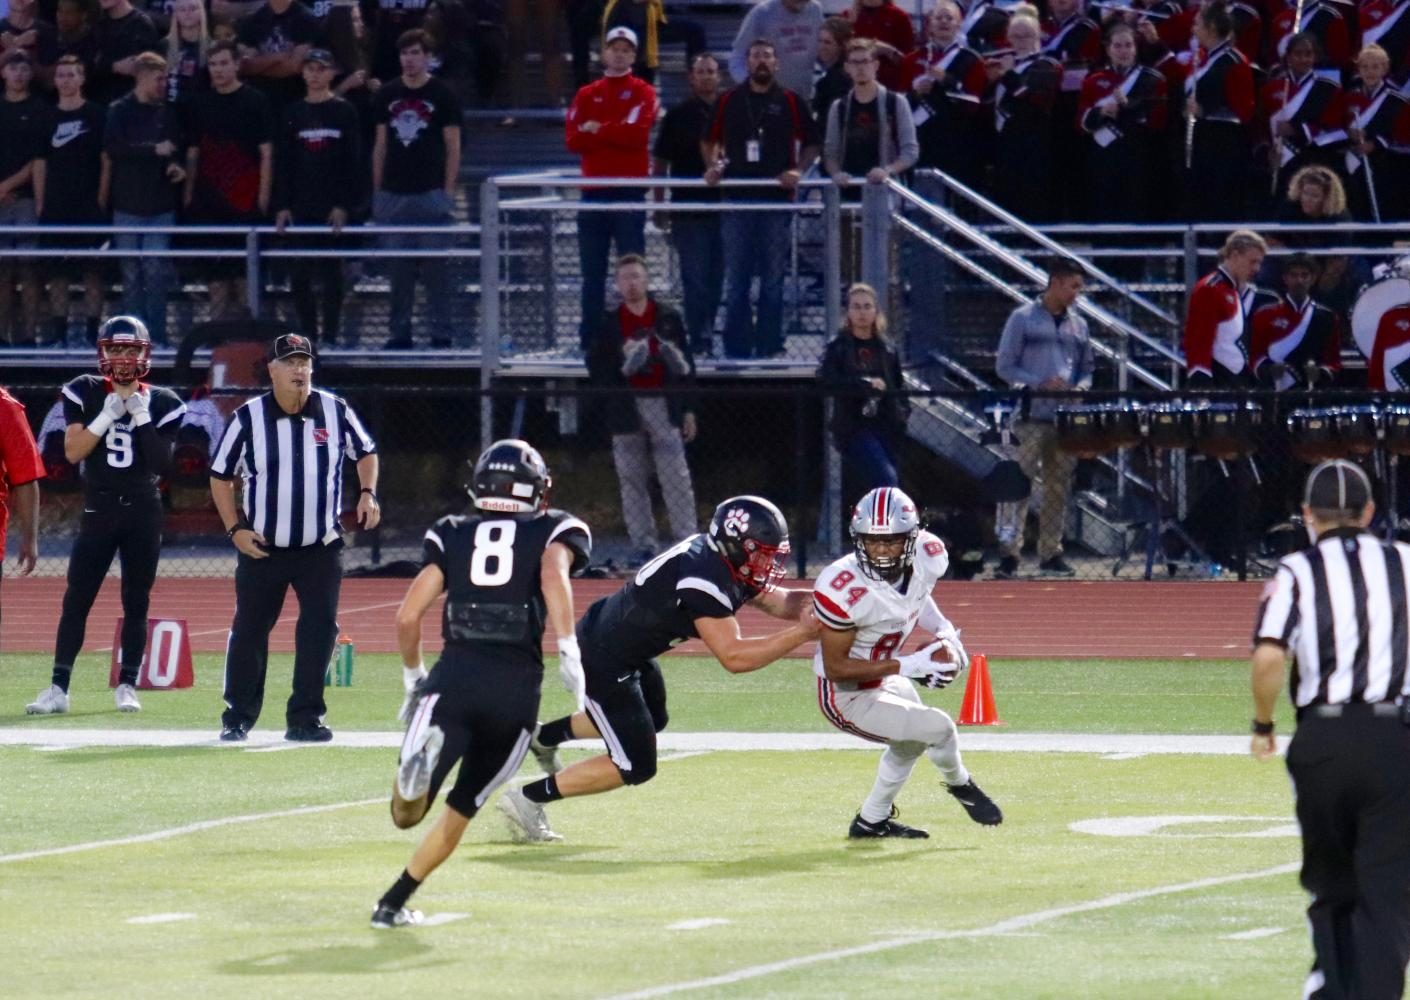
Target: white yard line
x=180, y=831
x=678, y=743
x=1008, y=926
x=1253, y=935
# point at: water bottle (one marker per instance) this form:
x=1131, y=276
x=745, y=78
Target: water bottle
x=340, y=667
x=1215, y=570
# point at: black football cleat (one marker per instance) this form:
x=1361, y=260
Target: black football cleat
x=234, y=734
x=980, y=807
x=312, y=732
x=863, y=830
x=384, y=918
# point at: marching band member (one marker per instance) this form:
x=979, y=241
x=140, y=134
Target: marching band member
x=1123, y=112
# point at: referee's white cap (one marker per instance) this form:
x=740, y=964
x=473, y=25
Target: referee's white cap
x=1338, y=485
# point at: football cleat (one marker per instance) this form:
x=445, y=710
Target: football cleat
x=546, y=756
x=862, y=829
x=126, y=698
x=527, y=822
x=384, y=918
x=418, y=763
x=53, y=700
x=980, y=807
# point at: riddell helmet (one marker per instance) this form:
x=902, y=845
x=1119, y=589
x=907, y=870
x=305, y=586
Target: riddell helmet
x=510, y=476
x=751, y=535
x=885, y=513
x=124, y=331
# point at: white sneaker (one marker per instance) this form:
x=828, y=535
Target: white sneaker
x=126, y=698
x=527, y=822
x=546, y=756
x=419, y=759
x=53, y=700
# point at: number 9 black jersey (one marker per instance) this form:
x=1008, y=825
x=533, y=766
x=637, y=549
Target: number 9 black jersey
x=491, y=566
x=118, y=462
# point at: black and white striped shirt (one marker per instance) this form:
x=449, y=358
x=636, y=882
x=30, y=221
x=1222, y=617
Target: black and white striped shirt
x=1343, y=609
x=291, y=465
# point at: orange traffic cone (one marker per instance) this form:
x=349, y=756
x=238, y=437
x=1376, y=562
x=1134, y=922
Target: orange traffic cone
x=978, y=709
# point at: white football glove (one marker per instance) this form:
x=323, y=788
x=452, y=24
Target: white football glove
x=919, y=665
x=941, y=675
x=114, y=409
x=570, y=670
x=137, y=407
x=958, y=655
x=635, y=355
x=410, y=678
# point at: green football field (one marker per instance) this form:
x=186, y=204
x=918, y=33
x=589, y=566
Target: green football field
x=214, y=871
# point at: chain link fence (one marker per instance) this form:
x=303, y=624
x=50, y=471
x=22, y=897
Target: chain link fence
x=1162, y=486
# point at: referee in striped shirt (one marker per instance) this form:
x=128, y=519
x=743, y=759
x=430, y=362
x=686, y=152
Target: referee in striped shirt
x=1341, y=610
x=288, y=448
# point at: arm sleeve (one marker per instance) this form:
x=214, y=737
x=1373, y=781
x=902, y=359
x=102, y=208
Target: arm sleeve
x=1199, y=332
x=634, y=130
x=19, y=455
x=231, y=449
x=156, y=447
x=933, y=620
x=577, y=141
x=577, y=536
x=1006, y=364
x=73, y=404
x=739, y=51
x=831, y=612
x=909, y=151
x=359, y=442
x=833, y=140
x=703, y=598
x=1277, y=610
x=433, y=546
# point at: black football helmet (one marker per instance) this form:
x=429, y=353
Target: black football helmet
x=751, y=535
x=124, y=331
x=510, y=476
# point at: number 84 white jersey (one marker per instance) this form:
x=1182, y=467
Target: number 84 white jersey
x=883, y=614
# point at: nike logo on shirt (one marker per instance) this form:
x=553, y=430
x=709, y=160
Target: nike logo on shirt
x=67, y=132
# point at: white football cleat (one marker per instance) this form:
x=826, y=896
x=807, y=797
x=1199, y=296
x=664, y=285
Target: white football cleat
x=53, y=700
x=527, y=822
x=126, y=698
x=384, y=918
x=419, y=760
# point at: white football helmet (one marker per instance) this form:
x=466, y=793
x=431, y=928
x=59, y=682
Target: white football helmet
x=885, y=514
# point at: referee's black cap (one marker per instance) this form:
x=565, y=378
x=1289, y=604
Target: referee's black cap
x=289, y=345
x=1339, y=486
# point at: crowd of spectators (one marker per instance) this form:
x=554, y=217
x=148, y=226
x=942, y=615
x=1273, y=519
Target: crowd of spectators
x=1154, y=110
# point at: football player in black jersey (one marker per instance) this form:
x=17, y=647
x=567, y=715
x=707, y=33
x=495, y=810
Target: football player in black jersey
x=504, y=568
x=691, y=590
x=122, y=430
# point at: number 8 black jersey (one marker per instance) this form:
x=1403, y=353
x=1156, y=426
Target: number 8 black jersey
x=118, y=462
x=491, y=566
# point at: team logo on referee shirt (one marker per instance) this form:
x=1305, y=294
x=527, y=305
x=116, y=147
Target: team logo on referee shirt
x=320, y=435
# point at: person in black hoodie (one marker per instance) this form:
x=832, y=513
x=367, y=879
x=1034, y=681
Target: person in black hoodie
x=863, y=371
x=142, y=142
x=123, y=34
x=317, y=182
x=641, y=348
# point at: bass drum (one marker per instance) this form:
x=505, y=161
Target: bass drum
x=1373, y=302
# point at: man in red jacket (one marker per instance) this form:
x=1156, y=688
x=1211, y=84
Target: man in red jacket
x=609, y=126
x=1216, y=342
x=20, y=472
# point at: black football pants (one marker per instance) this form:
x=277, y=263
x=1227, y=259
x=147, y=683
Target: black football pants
x=128, y=526
x=1353, y=804
x=316, y=574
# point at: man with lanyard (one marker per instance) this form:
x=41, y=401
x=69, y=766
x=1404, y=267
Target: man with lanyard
x=1339, y=610
x=1046, y=347
x=760, y=131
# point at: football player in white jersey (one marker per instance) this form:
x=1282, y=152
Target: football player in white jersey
x=869, y=602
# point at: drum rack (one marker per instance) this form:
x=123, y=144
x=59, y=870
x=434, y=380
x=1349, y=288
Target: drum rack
x=1159, y=523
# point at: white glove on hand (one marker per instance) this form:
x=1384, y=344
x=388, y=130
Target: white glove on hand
x=410, y=677
x=114, y=409
x=137, y=406
x=958, y=655
x=941, y=675
x=635, y=355
x=919, y=665
x=570, y=670
x=674, y=360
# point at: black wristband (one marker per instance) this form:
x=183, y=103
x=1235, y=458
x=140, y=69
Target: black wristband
x=1262, y=728
x=370, y=491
